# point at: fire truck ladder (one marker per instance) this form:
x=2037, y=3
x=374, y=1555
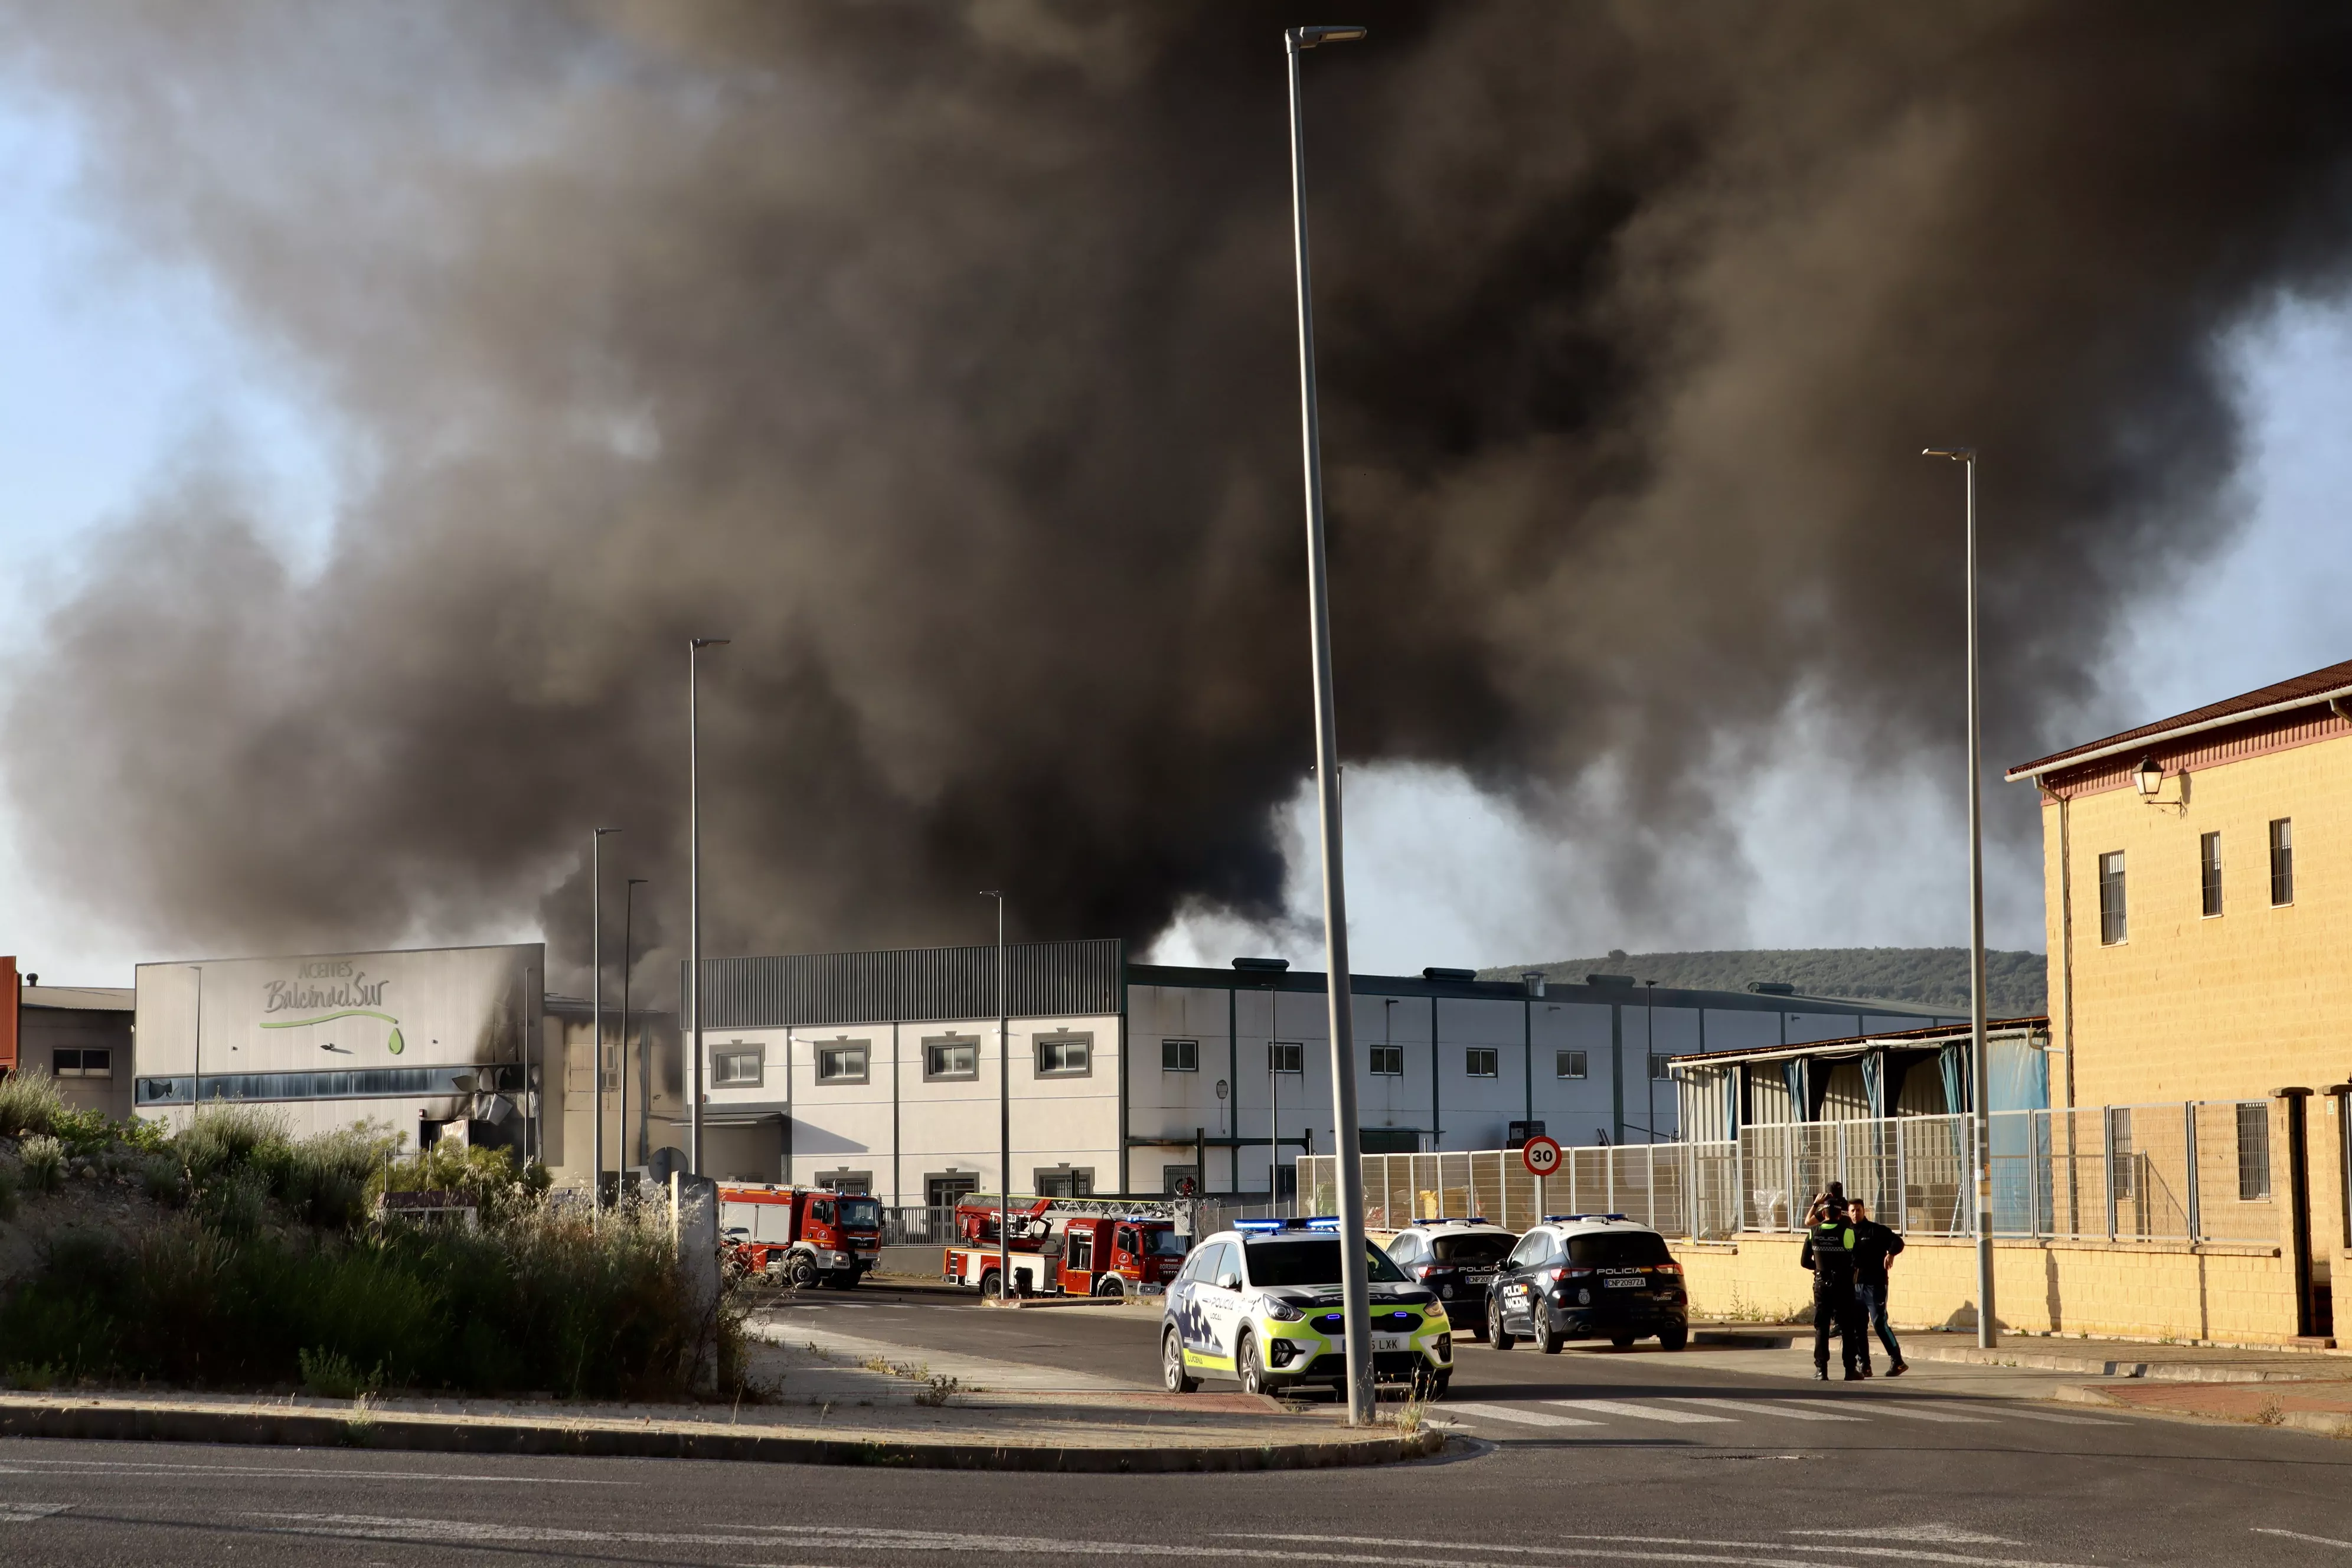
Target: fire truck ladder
x=1105, y=1208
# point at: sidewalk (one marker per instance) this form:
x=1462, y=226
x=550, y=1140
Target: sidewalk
x=2088, y=1357
x=2321, y=1407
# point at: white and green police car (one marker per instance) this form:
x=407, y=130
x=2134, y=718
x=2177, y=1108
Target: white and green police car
x=1260, y=1303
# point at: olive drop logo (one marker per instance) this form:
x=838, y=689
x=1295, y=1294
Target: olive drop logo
x=348, y=993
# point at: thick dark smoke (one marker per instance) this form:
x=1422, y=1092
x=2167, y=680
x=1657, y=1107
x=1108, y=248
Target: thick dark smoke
x=941, y=356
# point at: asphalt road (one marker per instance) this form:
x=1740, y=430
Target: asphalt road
x=1711, y=1459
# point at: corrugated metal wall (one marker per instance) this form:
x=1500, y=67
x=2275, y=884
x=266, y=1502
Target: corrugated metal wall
x=1042, y=979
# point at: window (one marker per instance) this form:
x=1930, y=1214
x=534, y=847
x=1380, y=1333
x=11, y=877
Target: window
x=1388, y=1061
x=1179, y=1056
x=1533, y=1249
x=1062, y=1181
x=858, y=1182
x=1065, y=1056
x=1172, y=1178
x=820, y=1211
x=1286, y=1055
x=945, y=1191
x=2209, y=871
x=842, y=1063
x=2253, y=1152
x=1618, y=1250
x=1661, y=1067
x=2281, y=862
x=1480, y=1062
x=1314, y=1261
x=1568, y=1064
x=737, y=1068
x=1403, y=1251
x=83, y=1063
x=2111, y=899
x=1479, y=1249
x=950, y=1057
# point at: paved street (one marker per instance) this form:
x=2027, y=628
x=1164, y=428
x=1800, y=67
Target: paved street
x=1730, y=1457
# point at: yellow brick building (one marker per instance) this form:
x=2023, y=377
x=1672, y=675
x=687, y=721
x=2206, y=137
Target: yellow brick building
x=2198, y=888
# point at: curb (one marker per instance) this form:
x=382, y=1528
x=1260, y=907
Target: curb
x=1011, y=1303
x=165, y=1424
x=2094, y=1366
x=2325, y=1423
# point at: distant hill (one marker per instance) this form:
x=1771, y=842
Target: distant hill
x=1935, y=977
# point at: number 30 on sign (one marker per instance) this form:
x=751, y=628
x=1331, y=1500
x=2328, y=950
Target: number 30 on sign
x=1540, y=1156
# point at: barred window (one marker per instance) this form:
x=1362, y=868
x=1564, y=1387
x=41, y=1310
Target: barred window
x=2253, y=1152
x=2119, y=1154
x=1388, y=1061
x=1286, y=1055
x=1479, y=1061
x=2112, y=928
x=2282, y=861
x=1179, y=1056
x=2209, y=870
x=1568, y=1064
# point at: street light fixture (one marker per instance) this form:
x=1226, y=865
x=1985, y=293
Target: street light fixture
x=628, y=934
x=694, y=892
x=1988, y=1335
x=597, y=1013
x=1004, y=1111
x=1354, y=1287
x=2148, y=778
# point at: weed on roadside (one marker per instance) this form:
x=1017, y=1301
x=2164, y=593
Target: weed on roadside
x=2271, y=1415
x=331, y=1375
x=938, y=1391
x=36, y=1378
x=43, y=1161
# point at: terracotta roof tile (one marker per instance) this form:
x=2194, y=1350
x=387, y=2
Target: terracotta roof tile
x=2319, y=683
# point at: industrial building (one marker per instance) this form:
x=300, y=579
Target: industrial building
x=879, y=1071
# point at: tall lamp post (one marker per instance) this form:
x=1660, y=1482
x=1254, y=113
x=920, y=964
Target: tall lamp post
x=596, y=1010
x=1354, y=1288
x=628, y=934
x=1980, y=1076
x=196, y=1096
x=1003, y=1110
x=694, y=892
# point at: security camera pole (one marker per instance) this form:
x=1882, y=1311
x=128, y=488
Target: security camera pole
x=1354, y=1284
x=1981, y=1086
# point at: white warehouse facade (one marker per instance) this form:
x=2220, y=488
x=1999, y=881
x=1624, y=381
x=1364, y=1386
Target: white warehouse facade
x=879, y=1071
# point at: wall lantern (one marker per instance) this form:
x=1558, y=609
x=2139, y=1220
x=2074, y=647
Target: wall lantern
x=2149, y=777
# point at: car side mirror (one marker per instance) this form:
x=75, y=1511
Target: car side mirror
x=1229, y=1280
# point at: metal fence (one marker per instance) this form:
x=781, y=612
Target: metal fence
x=2194, y=1172
x=919, y=1227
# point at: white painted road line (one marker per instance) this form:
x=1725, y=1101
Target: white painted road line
x=2298, y=1535
x=26, y=1513
x=2025, y=1415
x=1640, y=1412
x=1786, y=1411
x=1510, y=1412
x=1916, y=1413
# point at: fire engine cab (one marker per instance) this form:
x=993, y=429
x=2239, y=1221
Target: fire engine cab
x=1065, y=1246
x=809, y=1235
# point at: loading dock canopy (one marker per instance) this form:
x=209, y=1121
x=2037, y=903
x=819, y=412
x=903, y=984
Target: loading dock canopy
x=1856, y=1045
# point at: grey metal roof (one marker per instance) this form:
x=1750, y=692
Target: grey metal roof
x=1295, y=980
x=1042, y=979
x=80, y=998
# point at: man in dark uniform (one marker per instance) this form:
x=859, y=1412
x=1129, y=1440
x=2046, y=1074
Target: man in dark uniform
x=1829, y=1253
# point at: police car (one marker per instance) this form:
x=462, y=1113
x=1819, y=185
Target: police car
x=1588, y=1276
x=1260, y=1303
x=1458, y=1260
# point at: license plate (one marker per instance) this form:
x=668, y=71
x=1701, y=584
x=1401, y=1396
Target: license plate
x=1481, y=1276
x=1626, y=1284
x=1392, y=1342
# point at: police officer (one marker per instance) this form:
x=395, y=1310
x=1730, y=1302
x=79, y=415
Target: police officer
x=1830, y=1253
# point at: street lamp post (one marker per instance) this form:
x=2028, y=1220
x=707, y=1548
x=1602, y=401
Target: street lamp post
x=694, y=892
x=1354, y=1287
x=628, y=935
x=1003, y=1112
x=596, y=1011
x=1981, y=1086
x=196, y=1097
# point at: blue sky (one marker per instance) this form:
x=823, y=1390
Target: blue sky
x=118, y=364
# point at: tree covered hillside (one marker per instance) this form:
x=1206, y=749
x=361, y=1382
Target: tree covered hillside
x=1937, y=977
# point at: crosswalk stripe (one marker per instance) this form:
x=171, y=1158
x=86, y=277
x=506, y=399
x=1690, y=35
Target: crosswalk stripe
x=1639, y=1412
x=1914, y=1413
x=1508, y=1412
x=1786, y=1412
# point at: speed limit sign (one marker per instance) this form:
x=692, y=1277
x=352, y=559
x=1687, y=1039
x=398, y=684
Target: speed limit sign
x=1540, y=1156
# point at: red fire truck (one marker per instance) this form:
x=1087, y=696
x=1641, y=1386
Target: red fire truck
x=809, y=1235
x=1067, y=1246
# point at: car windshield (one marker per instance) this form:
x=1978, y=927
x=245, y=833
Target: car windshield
x=1311, y=1260
x=1617, y=1250
x=1477, y=1248
x=1162, y=1243
x=861, y=1213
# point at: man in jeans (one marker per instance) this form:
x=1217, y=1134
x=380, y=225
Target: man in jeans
x=1874, y=1247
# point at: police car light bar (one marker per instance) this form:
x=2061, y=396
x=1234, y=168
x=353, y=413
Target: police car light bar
x=1265, y=1226
x=1565, y=1218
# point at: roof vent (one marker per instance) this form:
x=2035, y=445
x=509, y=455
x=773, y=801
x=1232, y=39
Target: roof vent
x=1771, y=988
x=1533, y=981
x=1624, y=981
x=1434, y=972
x=1264, y=965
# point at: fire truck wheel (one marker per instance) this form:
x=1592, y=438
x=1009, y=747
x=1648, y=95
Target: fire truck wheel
x=800, y=1271
x=1111, y=1285
x=991, y=1285
x=1171, y=1365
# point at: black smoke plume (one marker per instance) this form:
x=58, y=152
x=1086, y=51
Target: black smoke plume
x=941, y=356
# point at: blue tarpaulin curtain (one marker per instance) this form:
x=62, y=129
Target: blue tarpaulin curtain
x=1797, y=1073
x=1952, y=1062
x=1873, y=1083
x=1735, y=1082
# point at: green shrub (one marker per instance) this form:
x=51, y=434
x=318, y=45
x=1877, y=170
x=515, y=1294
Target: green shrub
x=331, y=1375
x=43, y=1159
x=222, y=1139
x=30, y=1103
x=163, y=1178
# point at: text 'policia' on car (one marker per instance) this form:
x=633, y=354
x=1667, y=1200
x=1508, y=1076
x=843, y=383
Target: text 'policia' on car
x=1260, y=1303
x=1588, y=1276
